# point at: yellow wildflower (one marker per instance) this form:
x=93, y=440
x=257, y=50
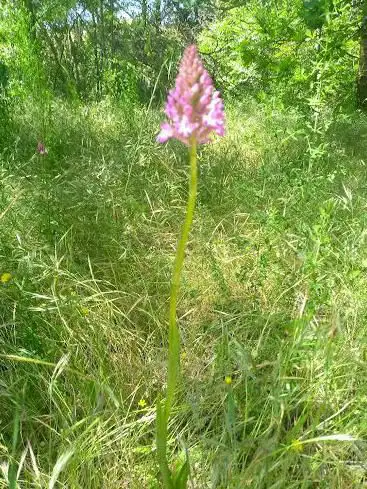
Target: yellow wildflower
x=142, y=403
x=5, y=277
x=297, y=446
x=228, y=380
x=84, y=310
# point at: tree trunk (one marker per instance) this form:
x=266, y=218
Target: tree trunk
x=102, y=28
x=28, y=4
x=196, y=12
x=144, y=12
x=97, y=65
x=112, y=28
x=157, y=13
x=75, y=63
x=362, y=74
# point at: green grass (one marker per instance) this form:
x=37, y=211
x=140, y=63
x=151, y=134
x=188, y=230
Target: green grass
x=274, y=295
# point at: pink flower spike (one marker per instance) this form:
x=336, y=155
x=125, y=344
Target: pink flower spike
x=194, y=108
x=165, y=134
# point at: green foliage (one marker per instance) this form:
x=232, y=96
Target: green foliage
x=273, y=296
x=315, y=13
x=85, y=51
x=287, y=48
x=272, y=309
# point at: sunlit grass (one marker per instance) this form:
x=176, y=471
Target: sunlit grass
x=273, y=296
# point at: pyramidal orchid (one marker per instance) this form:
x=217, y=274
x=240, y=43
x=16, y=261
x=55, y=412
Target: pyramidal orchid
x=194, y=108
x=195, y=112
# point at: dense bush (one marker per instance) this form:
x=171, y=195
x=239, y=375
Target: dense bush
x=298, y=51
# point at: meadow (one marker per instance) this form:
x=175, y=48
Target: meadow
x=272, y=309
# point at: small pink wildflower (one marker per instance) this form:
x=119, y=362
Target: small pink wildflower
x=41, y=149
x=194, y=108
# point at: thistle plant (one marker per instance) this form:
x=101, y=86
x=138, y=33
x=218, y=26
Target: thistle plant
x=195, y=111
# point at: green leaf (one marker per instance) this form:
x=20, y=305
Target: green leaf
x=161, y=440
x=12, y=474
x=59, y=466
x=182, y=476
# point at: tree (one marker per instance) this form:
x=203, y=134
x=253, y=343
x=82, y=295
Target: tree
x=157, y=13
x=362, y=72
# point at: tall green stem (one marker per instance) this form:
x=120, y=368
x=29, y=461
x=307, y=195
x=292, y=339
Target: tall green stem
x=174, y=335
x=163, y=411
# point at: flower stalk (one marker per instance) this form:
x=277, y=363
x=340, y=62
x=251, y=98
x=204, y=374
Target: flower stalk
x=174, y=336
x=195, y=111
x=164, y=411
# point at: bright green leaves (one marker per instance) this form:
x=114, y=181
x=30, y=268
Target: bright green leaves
x=315, y=12
x=161, y=441
x=181, y=476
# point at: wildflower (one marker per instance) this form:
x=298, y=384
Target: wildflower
x=5, y=277
x=84, y=310
x=228, y=380
x=194, y=111
x=297, y=446
x=142, y=403
x=194, y=108
x=41, y=149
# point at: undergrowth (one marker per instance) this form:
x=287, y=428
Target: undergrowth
x=272, y=311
